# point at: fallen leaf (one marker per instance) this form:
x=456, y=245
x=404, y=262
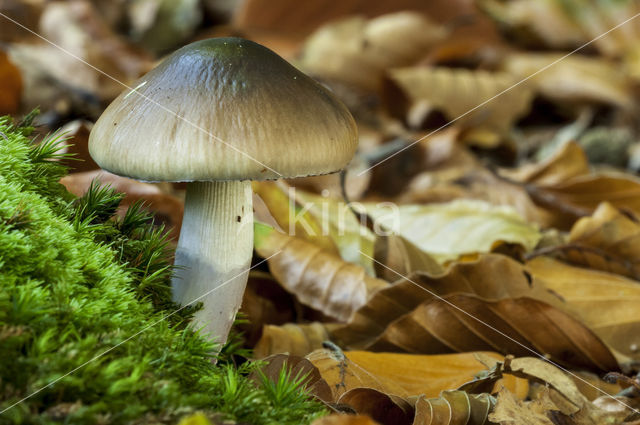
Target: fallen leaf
x=447, y=231
x=403, y=375
x=511, y=411
x=355, y=50
x=161, y=25
x=295, y=339
x=567, y=162
x=491, y=277
x=343, y=375
x=519, y=326
x=453, y=408
x=605, y=302
x=573, y=79
x=458, y=94
x=395, y=256
x=611, y=242
x=384, y=408
x=319, y=279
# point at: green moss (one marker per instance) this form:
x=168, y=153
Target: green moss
x=84, y=300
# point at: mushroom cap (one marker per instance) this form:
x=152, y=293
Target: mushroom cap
x=223, y=109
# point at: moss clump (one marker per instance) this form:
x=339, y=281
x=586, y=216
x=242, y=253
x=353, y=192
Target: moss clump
x=85, y=331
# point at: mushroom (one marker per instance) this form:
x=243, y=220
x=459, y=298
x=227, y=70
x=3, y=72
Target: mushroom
x=218, y=113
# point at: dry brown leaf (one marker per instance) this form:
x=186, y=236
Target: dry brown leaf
x=10, y=85
x=384, y=408
x=573, y=79
x=343, y=375
x=77, y=27
x=567, y=162
x=511, y=411
x=295, y=339
x=605, y=302
x=592, y=387
x=491, y=276
x=404, y=375
x=545, y=411
x=455, y=92
x=609, y=240
x=453, y=408
x=568, y=25
x=429, y=375
x=355, y=50
x=563, y=185
x=345, y=420
x=319, y=279
x=530, y=326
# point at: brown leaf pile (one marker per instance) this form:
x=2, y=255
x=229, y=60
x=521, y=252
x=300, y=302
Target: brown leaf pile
x=478, y=261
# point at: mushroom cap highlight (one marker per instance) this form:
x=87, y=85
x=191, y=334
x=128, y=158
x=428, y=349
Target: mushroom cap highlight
x=224, y=109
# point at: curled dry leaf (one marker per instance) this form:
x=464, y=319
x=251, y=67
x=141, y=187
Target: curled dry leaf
x=605, y=302
x=292, y=338
x=417, y=93
x=357, y=51
x=318, y=278
x=453, y=408
x=447, y=231
x=404, y=375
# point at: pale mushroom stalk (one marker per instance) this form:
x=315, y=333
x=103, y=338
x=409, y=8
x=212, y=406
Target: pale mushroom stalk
x=214, y=252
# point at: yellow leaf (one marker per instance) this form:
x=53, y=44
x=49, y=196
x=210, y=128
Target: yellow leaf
x=447, y=231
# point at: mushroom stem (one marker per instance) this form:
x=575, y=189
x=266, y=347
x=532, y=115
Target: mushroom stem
x=214, y=253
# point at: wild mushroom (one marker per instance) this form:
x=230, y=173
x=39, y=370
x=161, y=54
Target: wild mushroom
x=218, y=113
